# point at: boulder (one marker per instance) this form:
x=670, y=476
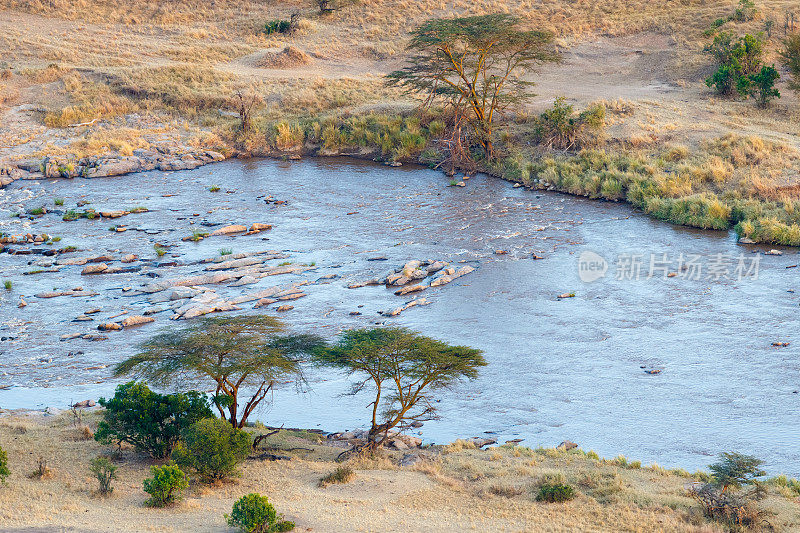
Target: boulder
x=136, y=320
x=448, y=277
x=436, y=266
x=283, y=308
x=84, y=404
x=110, y=326
x=258, y=227
x=114, y=213
x=113, y=167
x=130, y=258
x=228, y=230
x=214, y=156
x=566, y=445
x=398, y=444
x=178, y=164
x=410, y=288
x=94, y=268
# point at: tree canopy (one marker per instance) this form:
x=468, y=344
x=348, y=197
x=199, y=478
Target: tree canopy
x=475, y=63
x=150, y=421
x=404, y=368
x=233, y=352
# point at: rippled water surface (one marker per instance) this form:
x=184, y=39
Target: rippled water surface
x=558, y=369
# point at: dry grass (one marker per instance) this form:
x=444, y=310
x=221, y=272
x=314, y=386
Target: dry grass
x=459, y=488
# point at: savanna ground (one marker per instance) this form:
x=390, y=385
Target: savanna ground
x=455, y=488
x=88, y=77
x=93, y=76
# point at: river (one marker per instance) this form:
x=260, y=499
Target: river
x=559, y=368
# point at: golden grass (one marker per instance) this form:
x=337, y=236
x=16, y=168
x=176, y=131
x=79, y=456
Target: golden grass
x=459, y=488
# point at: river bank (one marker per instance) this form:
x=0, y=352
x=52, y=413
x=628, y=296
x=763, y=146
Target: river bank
x=445, y=488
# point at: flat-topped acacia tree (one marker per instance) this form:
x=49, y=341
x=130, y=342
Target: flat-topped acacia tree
x=405, y=369
x=235, y=353
x=475, y=63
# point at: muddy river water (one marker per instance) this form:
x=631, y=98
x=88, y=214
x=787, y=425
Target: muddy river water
x=659, y=368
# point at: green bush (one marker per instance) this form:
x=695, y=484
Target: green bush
x=4, y=471
x=560, y=128
x=736, y=57
x=761, y=85
x=746, y=11
x=790, y=57
x=253, y=513
x=553, y=493
x=104, y=471
x=277, y=26
x=150, y=421
x=167, y=483
x=213, y=449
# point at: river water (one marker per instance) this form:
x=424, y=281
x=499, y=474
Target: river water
x=570, y=368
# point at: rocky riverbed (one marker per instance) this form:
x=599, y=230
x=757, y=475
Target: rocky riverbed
x=667, y=368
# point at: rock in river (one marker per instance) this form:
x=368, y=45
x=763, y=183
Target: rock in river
x=94, y=268
x=137, y=320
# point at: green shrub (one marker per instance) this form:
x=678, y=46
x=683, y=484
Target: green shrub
x=553, y=493
x=560, y=128
x=736, y=57
x=761, y=85
x=790, y=57
x=4, y=471
x=58, y=201
x=104, y=471
x=213, y=449
x=254, y=514
x=166, y=485
x=149, y=421
x=746, y=11
x=277, y=26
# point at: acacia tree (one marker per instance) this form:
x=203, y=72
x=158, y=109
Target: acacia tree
x=235, y=353
x=475, y=63
x=405, y=368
